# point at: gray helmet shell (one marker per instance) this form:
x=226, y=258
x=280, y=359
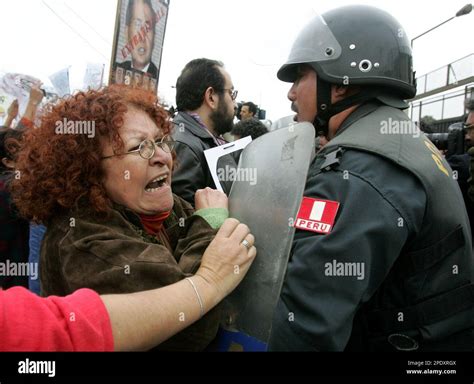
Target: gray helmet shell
x=355, y=45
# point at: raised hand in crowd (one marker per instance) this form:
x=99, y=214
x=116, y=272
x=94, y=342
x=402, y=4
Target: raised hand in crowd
x=12, y=113
x=36, y=96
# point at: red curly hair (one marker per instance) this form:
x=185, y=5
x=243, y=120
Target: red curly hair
x=60, y=172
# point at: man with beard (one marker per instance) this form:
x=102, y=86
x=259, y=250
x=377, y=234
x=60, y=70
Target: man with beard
x=205, y=98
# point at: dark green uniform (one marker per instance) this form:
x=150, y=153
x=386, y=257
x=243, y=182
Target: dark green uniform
x=471, y=171
x=401, y=226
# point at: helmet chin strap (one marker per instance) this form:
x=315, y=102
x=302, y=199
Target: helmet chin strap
x=323, y=107
x=326, y=110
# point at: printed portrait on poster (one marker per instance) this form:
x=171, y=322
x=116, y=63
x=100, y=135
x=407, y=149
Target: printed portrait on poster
x=138, y=43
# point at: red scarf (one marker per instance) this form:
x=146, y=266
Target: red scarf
x=154, y=224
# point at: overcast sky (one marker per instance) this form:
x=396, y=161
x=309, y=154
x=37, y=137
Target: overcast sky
x=251, y=37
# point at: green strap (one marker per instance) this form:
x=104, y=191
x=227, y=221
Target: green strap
x=214, y=216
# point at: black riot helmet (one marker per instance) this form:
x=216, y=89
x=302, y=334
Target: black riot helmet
x=353, y=45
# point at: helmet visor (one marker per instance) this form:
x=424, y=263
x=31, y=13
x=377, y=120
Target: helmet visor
x=315, y=43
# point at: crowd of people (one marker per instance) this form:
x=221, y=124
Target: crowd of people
x=136, y=248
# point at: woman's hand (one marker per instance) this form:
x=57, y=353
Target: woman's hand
x=210, y=198
x=12, y=113
x=36, y=94
x=227, y=260
x=13, y=109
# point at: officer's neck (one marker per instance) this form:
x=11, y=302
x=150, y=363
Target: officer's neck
x=336, y=121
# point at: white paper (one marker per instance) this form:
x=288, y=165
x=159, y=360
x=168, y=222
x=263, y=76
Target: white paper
x=93, y=76
x=214, y=154
x=18, y=86
x=60, y=81
x=5, y=102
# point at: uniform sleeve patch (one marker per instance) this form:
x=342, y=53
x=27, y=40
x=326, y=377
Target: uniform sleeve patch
x=316, y=215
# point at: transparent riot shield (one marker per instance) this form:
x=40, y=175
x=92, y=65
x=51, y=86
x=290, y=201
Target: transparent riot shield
x=265, y=195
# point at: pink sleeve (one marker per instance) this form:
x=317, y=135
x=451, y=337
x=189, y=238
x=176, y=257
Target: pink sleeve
x=78, y=322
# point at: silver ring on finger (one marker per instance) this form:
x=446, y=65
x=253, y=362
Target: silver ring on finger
x=246, y=244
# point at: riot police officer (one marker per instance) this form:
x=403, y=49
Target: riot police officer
x=382, y=254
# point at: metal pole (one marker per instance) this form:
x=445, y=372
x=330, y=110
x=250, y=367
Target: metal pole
x=429, y=30
x=442, y=108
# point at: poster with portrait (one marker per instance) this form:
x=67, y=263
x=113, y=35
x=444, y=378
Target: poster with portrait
x=138, y=43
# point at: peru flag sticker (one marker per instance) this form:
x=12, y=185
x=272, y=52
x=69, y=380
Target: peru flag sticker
x=316, y=215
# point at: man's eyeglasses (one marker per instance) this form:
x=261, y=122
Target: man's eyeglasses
x=467, y=126
x=147, y=147
x=232, y=92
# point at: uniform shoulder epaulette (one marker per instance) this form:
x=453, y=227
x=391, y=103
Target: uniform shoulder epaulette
x=332, y=159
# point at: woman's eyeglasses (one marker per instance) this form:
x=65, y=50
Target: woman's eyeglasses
x=147, y=147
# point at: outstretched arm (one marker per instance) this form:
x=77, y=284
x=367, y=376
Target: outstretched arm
x=143, y=320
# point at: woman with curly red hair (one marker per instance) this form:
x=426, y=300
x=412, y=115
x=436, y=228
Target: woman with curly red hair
x=104, y=193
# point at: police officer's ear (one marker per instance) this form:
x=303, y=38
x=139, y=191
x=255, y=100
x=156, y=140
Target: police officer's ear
x=340, y=92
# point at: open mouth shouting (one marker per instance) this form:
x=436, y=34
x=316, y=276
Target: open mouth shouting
x=157, y=183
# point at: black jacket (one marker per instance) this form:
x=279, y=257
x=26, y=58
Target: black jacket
x=191, y=170
x=460, y=164
x=402, y=221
